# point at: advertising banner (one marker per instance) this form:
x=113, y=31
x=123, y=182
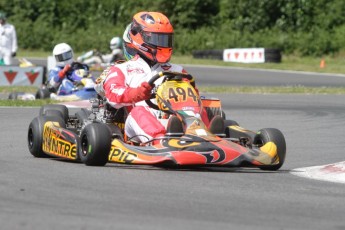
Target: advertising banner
x=244, y=55
x=21, y=76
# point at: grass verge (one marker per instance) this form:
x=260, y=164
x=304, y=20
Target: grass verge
x=204, y=90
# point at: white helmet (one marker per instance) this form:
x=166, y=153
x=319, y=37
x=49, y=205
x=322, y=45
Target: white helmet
x=115, y=43
x=63, y=54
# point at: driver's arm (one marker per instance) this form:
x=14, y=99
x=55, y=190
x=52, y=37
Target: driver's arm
x=119, y=94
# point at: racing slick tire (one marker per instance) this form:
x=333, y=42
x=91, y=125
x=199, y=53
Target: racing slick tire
x=43, y=93
x=272, y=135
x=61, y=108
x=35, y=133
x=13, y=96
x=95, y=144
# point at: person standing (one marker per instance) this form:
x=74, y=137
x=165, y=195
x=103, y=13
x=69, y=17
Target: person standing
x=8, y=41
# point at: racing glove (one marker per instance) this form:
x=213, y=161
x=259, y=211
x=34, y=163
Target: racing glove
x=63, y=72
x=143, y=92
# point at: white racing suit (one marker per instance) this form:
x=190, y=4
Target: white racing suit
x=8, y=43
x=142, y=122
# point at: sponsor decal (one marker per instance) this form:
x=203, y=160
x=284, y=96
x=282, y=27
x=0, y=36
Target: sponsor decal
x=32, y=76
x=120, y=155
x=181, y=144
x=10, y=75
x=134, y=70
x=54, y=144
x=121, y=125
x=214, y=156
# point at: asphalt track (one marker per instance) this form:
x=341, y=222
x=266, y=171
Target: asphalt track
x=54, y=194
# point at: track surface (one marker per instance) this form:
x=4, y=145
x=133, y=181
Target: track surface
x=53, y=194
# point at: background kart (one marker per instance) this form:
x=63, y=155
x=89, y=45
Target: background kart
x=96, y=137
x=82, y=88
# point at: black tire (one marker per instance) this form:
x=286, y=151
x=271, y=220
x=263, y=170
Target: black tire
x=275, y=136
x=35, y=134
x=61, y=108
x=13, y=96
x=95, y=144
x=208, y=54
x=56, y=113
x=273, y=55
x=43, y=93
x=230, y=123
x=115, y=131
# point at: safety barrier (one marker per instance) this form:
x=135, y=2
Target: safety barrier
x=241, y=55
x=22, y=76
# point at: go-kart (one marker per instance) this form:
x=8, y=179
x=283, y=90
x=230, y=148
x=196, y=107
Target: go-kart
x=95, y=136
x=80, y=89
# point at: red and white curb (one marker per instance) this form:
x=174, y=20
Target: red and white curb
x=332, y=172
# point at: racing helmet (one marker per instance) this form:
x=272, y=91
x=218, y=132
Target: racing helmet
x=151, y=35
x=63, y=54
x=129, y=52
x=115, y=43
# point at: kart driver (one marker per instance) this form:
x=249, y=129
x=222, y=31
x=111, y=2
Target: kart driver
x=62, y=77
x=151, y=35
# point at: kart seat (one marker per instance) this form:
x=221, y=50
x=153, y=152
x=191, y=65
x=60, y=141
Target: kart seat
x=174, y=127
x=216, y=126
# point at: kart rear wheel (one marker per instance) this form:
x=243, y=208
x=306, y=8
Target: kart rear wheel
x=42, y=93
x=95, y=143
x=13, y=96
x=61, y=108
x=35, y=133
x=275, y=136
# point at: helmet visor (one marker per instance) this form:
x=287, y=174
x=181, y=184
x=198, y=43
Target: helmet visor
x=64, y=56
x=158, y=39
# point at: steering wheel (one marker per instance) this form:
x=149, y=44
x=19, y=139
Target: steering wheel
x=167, y=76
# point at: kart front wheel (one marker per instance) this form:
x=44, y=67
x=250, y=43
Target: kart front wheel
x=275, y=136
x=35, y=133
x=95, y=143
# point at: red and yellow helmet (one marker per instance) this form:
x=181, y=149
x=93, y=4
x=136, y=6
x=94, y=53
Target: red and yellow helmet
x=151, y=34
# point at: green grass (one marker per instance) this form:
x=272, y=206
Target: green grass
x=293, y=63
x=20, y=103
x=274, y=90
x=10, y=89
x=203, y=90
